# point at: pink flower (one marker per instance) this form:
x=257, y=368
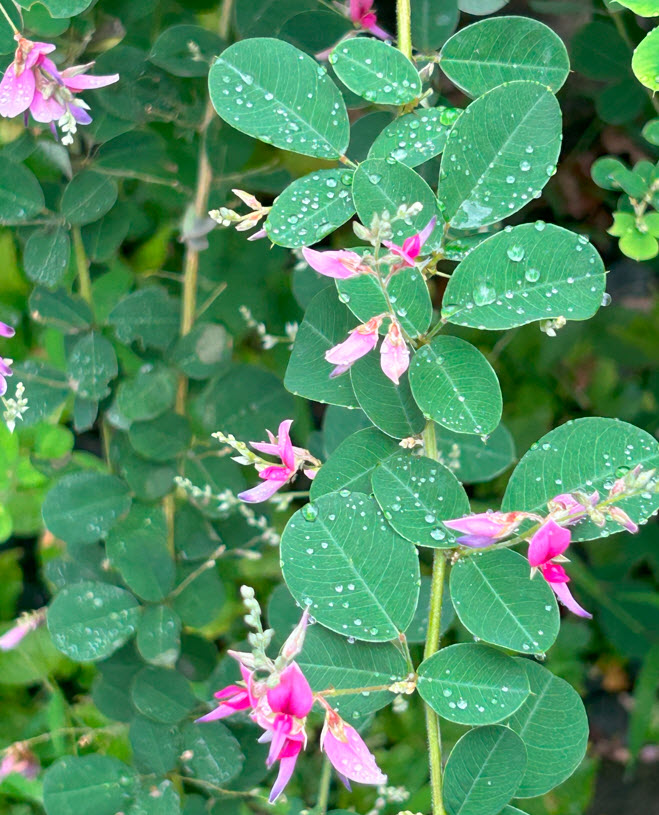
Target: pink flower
x=567, y=504
x=360, y=12
x=545, y=551
x=275, y=476
x=341, y=264
x=411, y=248
x=620, y=516
x=394, y=354
x=233, y=698
x=6, y=330
x=348, y=753
x=5, y=364
x=33, y=81
x=19, y=759
x=360, y=341
x=486, y=527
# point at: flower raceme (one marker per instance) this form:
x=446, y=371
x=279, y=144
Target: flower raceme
x=33, y=82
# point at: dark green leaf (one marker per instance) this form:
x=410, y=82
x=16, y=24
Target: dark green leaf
x=162, y=695
x=413, y=138
x=91, y=366
x=99, y=784
x=46, y=255
x=88, y=196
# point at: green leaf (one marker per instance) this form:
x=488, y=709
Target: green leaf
x=60, y=9
x=137, y=548
x=162, y=695
x=326, y=323
x=88, y=197
x=104, y=237
x=497, y=601
x=645, y=691
x=599, y=51
x=201, y=600
x=155, y=745
x=111, y=688
x=352, y=464
x=415, y=494
x=314, y=31
x=633, y=242
x=270, y=90
x=339, y=423
x=185, y=50
x=331, y=661
x=21, y=196
x=83, y=506
x=504, y=49
x=472, y=684
x=455, y=385
x=433, y=21
x=214, y=753
x=91, y=366
x=480, y=7
x=358, y=577
x=149, y=316
x=530, y=272
x=65, y=312
x=147, y=395
x=32, y=661
x=258, y=402
x=581, y=456
x=418, y=629
x=162, y=438
x=413, y=138
x=645, y=61
x=376, y=71
x=46, y=255
x=159, y=636
x=390, y=407
x=381, y=186
x=645, y=8
x=553, y=725
x=156, y=799
x=473, y=460
x=203, y=352
x=7, y=41
x=262, y=18
x=88, y=621
x=499, y=155
x=94, y=783
x=311, y=207
x=483, y=771
x=47, y=388
x=651, y=131
x=407, y=292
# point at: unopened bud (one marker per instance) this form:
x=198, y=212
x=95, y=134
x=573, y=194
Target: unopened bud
x=620, y=517
x=293, y=645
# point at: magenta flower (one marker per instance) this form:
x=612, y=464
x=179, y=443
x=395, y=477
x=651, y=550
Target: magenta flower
x=26, y=623
x=348, y=752
x=394, y=354
x=275, y=476
x=411, y=248
x=5, y=364
x=362, y=15
x=545, y=554
x=233, y=699
x=341, y=264
x=21, y=760
x=486, y=527
x=19, y=82
x=360, y=341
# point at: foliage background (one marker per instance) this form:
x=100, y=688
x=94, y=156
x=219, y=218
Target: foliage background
x=129, y=220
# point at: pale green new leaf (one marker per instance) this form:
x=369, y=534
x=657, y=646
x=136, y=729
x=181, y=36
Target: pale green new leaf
x=645, y=61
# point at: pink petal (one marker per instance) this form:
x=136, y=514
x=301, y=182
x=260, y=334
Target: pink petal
x=16, y=92
x=285, y=445
x=81, y=82
x=10, y=639
x=261, y=492
x=6, y=330
x=36, y=53
x=350, y=755
x=358, y=344
x=281, y=728
x=427, y=230
x=565, y=596
x=412, y=246
x=484, y=524
x=394, y=354
x=265, y=447
x=80, y=114
x=358, y=8
x=378, y=32
x=548, y=542
x=46, y=110
x=554, y=573
x=286, y=768
x=340, y=264
x=339, y=370
x=275, y=473
x=475, y=541
x=293, y=694
x=400, y=251
x=3, y=391
x=5, y=367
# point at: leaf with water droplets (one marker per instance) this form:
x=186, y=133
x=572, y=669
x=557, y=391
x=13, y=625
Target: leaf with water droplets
x=497, y=601
x=159, y=636
x=83, y=506
x=483, y=771
x=406, y=293
x=358, y=577
x=455, y=385
x=415, y=137
x=383, y=185
x=503, y=49
x=91, y=365
x=352, y=463
x=481, y=179
x=21, y=196
x=212, y=753
x=473, y=459
x=311, y=207
x=270, y=90
x=376, y=71
x=526, y=273
x=162, y=694
x=389, y=406
x=46, y=255
x=582, y=456
x=93, y=783
x=88, y=621
x=416, y=494
x=553, y=725
x=326, y=323
x=473, y=684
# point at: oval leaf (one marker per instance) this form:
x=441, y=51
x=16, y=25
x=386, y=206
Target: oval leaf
x=413, y=138
x=99, y=784
x=472, y=459
x=162, y=695
x=645, y=61
x=21, y=196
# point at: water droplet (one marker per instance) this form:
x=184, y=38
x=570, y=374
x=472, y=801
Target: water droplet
x=532, y=275
x=515, y=253
x=309, y=512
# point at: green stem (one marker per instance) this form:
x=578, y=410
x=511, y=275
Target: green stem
x=431, y=646
x=82, y=265
x=324, y=788
x=404, y=26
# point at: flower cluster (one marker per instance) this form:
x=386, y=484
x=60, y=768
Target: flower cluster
x=275, y=476
x=344, y=264
x=5, y=364
x=33, y=82
x=551, y=537
x=278, y=697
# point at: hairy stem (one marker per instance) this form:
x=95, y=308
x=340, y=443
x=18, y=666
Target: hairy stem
x=431, y=646
x=404, y=26
x=82, y=266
